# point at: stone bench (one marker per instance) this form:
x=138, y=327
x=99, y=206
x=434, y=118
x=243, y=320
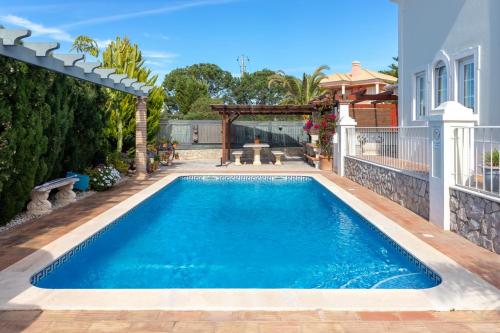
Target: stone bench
x=237, y=157
x=278, y=154
x=39, y=203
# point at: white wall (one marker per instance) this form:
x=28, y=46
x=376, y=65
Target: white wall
x=427, y=27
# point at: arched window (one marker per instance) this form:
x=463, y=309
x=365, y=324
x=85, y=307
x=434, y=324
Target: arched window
x=440, y=83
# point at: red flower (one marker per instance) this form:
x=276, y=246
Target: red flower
x=331, y=116
x=316, y=126
x=323, y=123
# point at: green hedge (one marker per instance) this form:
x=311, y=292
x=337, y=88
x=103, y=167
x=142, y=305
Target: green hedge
x=49, y=124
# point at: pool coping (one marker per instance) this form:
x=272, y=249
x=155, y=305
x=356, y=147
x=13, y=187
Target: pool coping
x=460, y=289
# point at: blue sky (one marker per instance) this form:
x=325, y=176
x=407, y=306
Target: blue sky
x=293, y=35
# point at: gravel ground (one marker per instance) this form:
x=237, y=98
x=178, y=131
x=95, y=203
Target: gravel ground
x=25, y=217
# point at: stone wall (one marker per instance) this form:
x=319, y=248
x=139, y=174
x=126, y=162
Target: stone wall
x=408, y=191
x=216, y=153
x=476, y=218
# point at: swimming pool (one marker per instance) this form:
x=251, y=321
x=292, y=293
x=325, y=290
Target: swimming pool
x=238, y=231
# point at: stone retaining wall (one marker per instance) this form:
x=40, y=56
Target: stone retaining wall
x=475, y=218
x=216, y=153
x=410, y=192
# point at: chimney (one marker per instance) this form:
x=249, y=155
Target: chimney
x=355, y=70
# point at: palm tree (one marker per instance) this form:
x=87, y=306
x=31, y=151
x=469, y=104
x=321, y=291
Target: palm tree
x=126, y=58
x=85, y=44
x=300, y=91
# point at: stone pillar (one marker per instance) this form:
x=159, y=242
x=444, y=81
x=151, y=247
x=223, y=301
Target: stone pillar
x=442, y=159
x=141, y=137
x=345, y=142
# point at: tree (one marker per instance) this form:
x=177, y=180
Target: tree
x=49, y=124
x=393, y=68
x=299, y=91
x=85, y=44
x=253, y=88
x=187, y=91
x=127, y=59
x=218, y=81
x=201, y=109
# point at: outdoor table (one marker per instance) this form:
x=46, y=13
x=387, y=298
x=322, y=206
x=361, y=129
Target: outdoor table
x=257, y=147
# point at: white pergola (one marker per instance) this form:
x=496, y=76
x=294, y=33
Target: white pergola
x=42, y=54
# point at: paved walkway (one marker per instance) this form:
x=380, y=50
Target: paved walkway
x=23, y=240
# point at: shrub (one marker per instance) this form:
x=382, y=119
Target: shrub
x=115, y=159
x=104, y=177
x=49, y=124
x=492, y=158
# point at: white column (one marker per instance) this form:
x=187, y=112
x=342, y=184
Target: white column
x=345, y=143
x=377, y=88
x=442, y=122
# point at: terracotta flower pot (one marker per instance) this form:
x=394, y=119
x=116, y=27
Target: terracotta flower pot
x=325, y=163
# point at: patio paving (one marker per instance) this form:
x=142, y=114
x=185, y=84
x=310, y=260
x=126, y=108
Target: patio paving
x=25, y=239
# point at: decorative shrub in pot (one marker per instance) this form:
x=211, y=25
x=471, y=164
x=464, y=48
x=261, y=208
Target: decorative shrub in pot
x=491, y=170
x=327, y=128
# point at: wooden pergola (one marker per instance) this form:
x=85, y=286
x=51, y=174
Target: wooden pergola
x=230, y=113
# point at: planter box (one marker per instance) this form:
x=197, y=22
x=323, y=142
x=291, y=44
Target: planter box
x=82, y=184
x=325, y=163
x=491, y=177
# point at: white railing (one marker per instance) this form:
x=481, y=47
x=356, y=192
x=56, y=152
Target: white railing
x=403, y=148
x=476, y=164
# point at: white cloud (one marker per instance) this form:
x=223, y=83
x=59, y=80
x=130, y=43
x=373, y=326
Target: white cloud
x=37, y=29
x=154, y=11
x=103, y=43
x=156, y=36
x=154, y=63
x=159, y=55
x=41, y=30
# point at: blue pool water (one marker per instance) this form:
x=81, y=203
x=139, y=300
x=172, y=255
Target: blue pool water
x=239, y=232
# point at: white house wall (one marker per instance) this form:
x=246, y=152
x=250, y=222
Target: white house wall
x=429, y=29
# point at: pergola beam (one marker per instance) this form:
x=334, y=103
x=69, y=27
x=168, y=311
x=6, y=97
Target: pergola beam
x=264, y=109
x=41, y=54
x=41, y=49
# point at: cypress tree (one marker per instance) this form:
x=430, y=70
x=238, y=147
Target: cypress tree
x=49, y=124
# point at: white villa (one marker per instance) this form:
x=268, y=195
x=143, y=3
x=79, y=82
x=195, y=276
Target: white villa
x=449, y=50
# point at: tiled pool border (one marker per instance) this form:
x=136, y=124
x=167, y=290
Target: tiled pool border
x=459, y=289
x=35, y=278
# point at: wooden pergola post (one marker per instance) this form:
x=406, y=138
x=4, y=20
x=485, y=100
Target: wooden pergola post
x=226, y=138
x=141, y=138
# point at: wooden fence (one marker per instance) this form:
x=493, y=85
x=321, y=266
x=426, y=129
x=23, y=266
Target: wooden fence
x=192, y=133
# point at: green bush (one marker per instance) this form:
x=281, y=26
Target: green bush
x=49, y=124
x=117, y=160
x=492, y=158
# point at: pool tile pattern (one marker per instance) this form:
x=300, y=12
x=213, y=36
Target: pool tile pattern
x=24, y=240
x=229, y=178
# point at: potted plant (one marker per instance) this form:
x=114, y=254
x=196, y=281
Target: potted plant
x=174, y=144
x=257, y=139
x=164, y=142
x=83, y=180
x=491, y=169
x=326, y=131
